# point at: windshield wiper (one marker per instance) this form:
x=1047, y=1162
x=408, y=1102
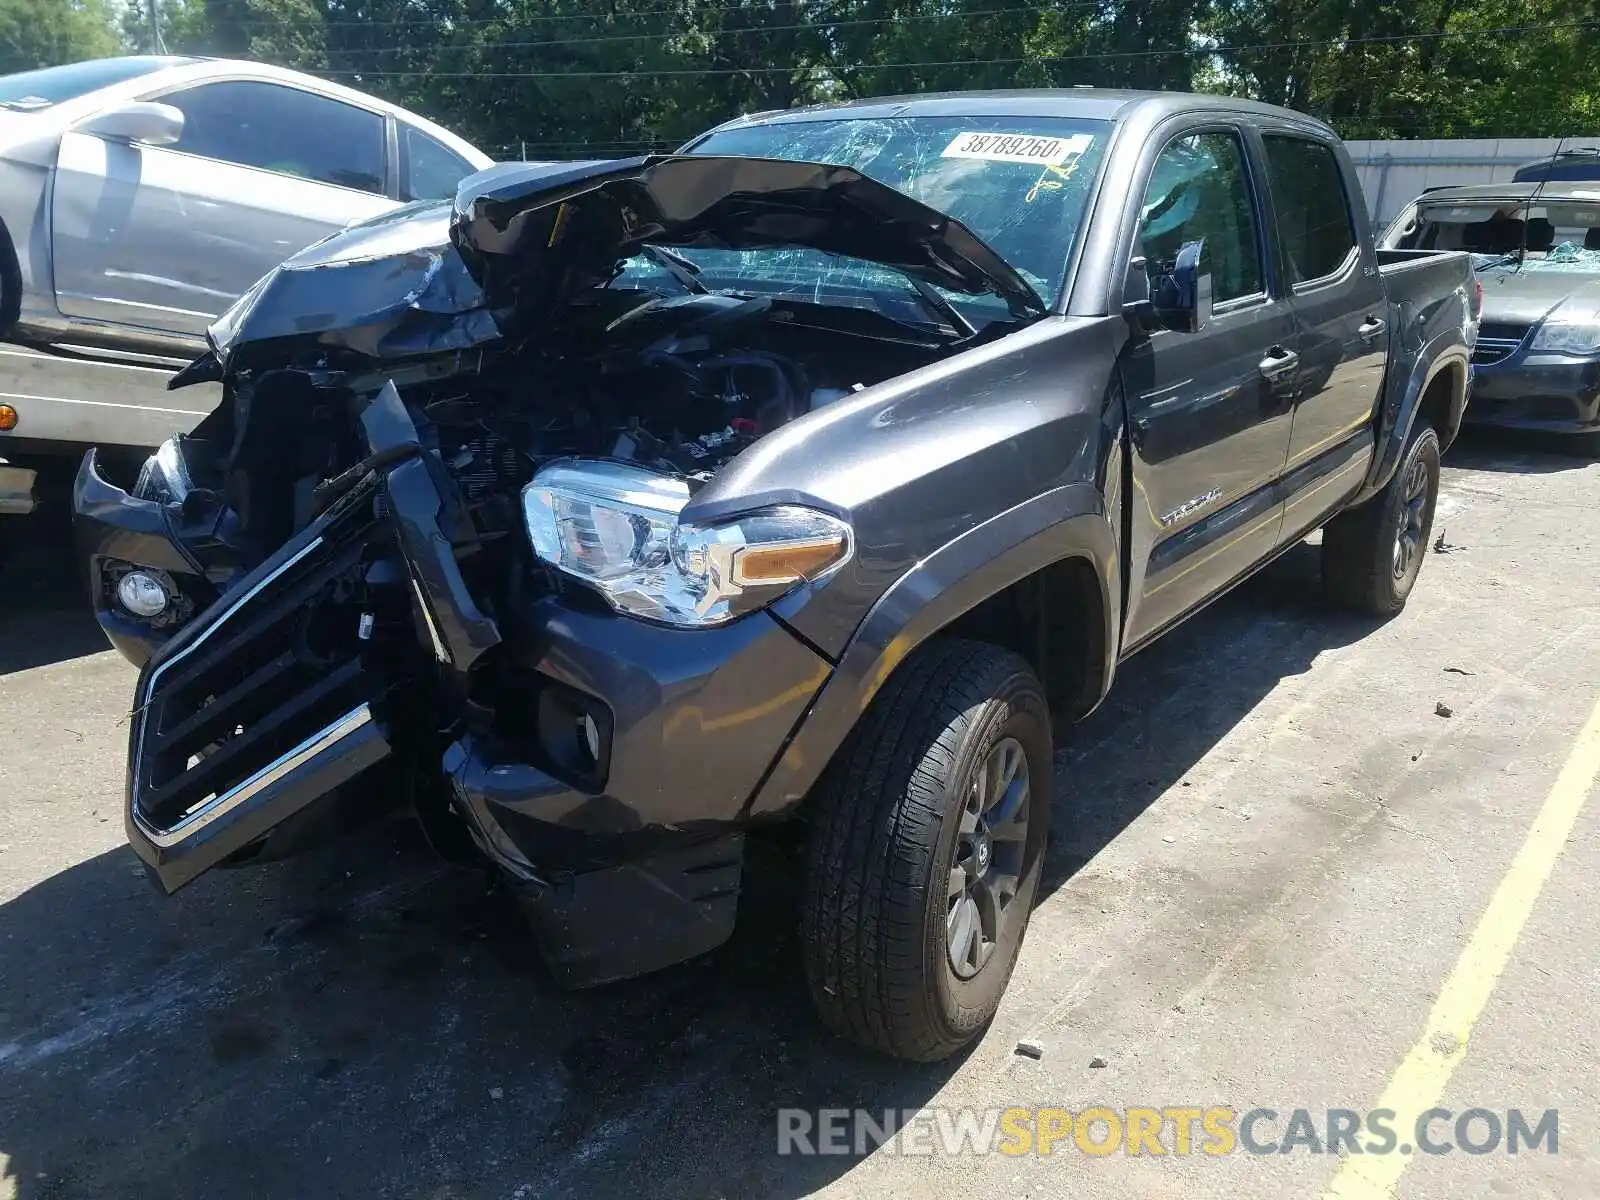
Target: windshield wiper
x=939, y=304
x=1499, y=260
x=684, y=270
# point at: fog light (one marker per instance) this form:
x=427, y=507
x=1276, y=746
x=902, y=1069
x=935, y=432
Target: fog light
x=142, y=594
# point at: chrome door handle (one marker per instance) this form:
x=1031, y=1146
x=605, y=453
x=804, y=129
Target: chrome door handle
x=1278, y=362
x=1371, y=328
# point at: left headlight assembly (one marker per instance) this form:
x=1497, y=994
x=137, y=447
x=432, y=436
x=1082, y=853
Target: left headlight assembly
x=616, y=528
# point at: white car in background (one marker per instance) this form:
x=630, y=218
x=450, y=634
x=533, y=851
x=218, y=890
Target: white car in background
x=140, y=196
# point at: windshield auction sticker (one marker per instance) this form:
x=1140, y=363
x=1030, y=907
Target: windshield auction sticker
x=1018, y=147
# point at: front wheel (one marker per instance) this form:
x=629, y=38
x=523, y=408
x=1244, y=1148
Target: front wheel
x=1371, y=555
x=926, y=846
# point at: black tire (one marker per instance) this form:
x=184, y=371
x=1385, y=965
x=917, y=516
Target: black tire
x=1371, y=555
x=887, y=841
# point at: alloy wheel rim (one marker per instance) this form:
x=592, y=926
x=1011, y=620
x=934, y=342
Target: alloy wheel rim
x=1411, y=518
x=990, y=845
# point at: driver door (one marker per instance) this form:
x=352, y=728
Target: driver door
x=164, y=238
x=1209, y=411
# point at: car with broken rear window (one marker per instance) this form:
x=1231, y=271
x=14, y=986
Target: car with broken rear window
x=614, y=511
x=1536, y=249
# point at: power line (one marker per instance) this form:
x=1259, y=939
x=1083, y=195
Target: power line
x=1193, y=51
x=707, y=33
x=687, y=7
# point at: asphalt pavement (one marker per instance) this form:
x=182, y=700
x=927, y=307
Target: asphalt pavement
x=1283, y=847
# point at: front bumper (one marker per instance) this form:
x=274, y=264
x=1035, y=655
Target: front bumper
x=114, y=532
x=1550, y=392
x=629, y=860
x=605, y=765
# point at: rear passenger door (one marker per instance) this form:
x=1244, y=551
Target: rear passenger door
x=1342, y=309
x=1208, y=412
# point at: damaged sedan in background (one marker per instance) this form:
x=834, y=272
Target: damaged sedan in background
x=1536, y=248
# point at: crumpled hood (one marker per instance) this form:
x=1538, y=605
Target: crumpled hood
x=591, y=215
x=523, y=237
x=1513, y=297
x=391, y=287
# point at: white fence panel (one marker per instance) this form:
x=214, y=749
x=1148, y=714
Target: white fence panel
x=1394, y=173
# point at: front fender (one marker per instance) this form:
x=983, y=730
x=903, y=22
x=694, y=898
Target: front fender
x=1067, y=522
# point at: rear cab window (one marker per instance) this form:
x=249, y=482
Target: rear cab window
x=1313, y=209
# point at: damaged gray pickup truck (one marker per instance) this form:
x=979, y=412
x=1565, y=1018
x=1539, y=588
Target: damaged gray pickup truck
x=619, y=508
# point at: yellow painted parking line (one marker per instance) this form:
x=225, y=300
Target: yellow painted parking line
x=1420, y=1080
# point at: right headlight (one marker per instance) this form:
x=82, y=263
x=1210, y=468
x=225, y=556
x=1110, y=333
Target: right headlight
x=615, y=527
x=1570, y=328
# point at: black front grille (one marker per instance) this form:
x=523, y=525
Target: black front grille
x=277, y=665
x=1499, y=331
x=1487, y=353
x=1497, y=342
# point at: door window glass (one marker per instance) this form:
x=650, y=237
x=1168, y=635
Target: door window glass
x=432, y=169
x=1199, y=190
x=283, y=129
x=1313, y=210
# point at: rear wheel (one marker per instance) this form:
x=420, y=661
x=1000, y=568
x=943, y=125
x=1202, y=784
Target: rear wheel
x=1371, y=555
x=926, y=846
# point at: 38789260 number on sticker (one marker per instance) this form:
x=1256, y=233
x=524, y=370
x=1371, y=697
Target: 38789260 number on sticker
x=1017, y=147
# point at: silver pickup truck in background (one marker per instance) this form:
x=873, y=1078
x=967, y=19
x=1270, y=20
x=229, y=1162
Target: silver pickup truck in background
x=141, y=196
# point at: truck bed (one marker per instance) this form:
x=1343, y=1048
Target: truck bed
x=1430, y=292
x=1410, y=275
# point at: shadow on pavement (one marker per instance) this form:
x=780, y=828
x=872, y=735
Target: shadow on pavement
x=1518, y=451
x=364, y=1021
x=48, y=618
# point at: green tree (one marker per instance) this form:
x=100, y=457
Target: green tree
x=45, y=33
x=567, y=78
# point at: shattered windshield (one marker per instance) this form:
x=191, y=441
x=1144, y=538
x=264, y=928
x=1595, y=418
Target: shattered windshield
x=1546, y=235
x=1020, y=183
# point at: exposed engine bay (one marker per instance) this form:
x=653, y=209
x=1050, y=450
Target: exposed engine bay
x=678, y=384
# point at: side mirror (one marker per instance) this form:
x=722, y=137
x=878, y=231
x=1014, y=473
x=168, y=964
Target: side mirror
x=1181, y=296
x=140, y=121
